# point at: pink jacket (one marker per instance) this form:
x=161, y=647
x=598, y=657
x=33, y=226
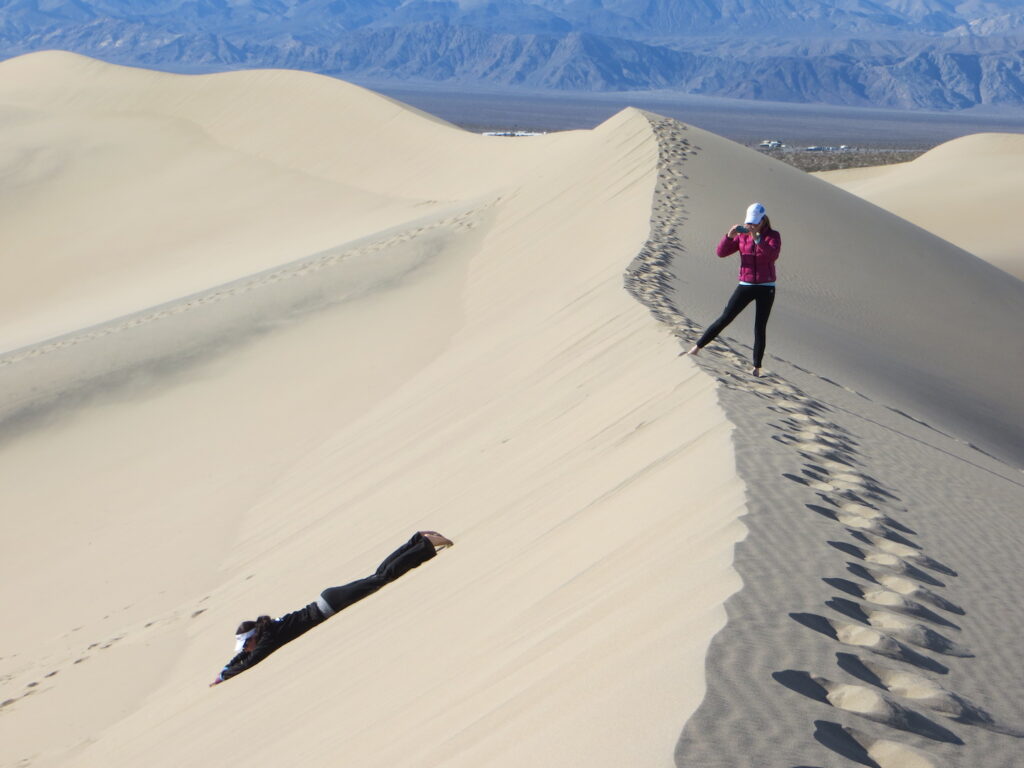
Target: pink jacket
x=757, y=260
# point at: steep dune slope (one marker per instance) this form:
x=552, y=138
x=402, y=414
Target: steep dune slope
x=271, y=424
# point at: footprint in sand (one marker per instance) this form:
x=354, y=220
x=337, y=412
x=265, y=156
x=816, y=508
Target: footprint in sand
x=810, y=431
x=908, y=564
x=910, y=631
x=874, y=514
x=908, y=588
x=793, y=414
x=846, y=486
x=858, y=523
x=869, y=638
x=818, y=448
x=833, y=465
x=855, y=478
x=811, y=480
x=891, y=754
x=907, y=629
x=869, y=703
x=877, y=525
x=811, y=412
x=880, y=596
x=906, y=551
x=895, y=601
x=787, y=427
x=888, y=545
x=822, y=436
x=924, y=692
x=907, y=571
x=914, y=559
x=862, y=510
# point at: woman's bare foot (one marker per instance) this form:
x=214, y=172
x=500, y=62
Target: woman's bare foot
x=439, y=541
x=691, y=351
x=756, y=372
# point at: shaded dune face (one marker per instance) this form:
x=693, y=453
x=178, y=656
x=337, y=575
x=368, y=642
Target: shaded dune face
x=842, y=482
x=973, y=212
x=863, y=297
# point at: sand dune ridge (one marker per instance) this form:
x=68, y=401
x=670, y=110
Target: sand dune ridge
x=309, y=321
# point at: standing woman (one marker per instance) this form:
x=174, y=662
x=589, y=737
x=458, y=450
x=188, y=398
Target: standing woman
x=758, y=245
x=255, y=640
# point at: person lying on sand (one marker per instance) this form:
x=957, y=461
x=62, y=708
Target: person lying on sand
x=255, y=640
x=759, y=246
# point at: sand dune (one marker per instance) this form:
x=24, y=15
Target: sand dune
x=170, y=185
x=474, y=366
x=965, y=191
x=267, y=324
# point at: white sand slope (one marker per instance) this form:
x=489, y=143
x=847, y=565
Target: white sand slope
x=269, y=324
x=966, y=191
x=274, y=418
x=162, y=185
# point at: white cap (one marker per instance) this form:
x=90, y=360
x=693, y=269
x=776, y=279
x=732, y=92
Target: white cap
x=754, y=214
x=240, y=639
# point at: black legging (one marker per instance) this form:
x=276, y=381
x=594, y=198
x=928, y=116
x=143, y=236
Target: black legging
x=764, y=296
x=413, y=553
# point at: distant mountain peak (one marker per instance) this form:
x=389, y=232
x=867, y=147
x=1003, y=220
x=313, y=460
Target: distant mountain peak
x=907, y=53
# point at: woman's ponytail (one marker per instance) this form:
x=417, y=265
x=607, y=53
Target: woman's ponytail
x=260, y=626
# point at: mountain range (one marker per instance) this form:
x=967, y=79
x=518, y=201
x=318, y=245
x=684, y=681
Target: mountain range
x=934, y=54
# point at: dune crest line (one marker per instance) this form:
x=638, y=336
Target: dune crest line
x=841, y=508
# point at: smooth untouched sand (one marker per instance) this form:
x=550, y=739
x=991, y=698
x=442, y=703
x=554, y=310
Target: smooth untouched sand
x=261, y=326
x=966, y=191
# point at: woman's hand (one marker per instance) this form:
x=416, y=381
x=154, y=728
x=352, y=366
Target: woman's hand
x=736, y=230
x=216, y=682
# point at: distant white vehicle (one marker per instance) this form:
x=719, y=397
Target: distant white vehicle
x=771, y=144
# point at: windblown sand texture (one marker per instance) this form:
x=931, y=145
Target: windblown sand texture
x=966, y=191
x=261, y=326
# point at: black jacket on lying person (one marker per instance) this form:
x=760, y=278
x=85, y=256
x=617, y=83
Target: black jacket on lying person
x=277, y=633
x=272, y=634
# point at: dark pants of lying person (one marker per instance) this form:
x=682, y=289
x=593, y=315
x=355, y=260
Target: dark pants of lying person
x=270, y=634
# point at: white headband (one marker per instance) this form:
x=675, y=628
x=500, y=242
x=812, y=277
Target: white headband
x=240, y=639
